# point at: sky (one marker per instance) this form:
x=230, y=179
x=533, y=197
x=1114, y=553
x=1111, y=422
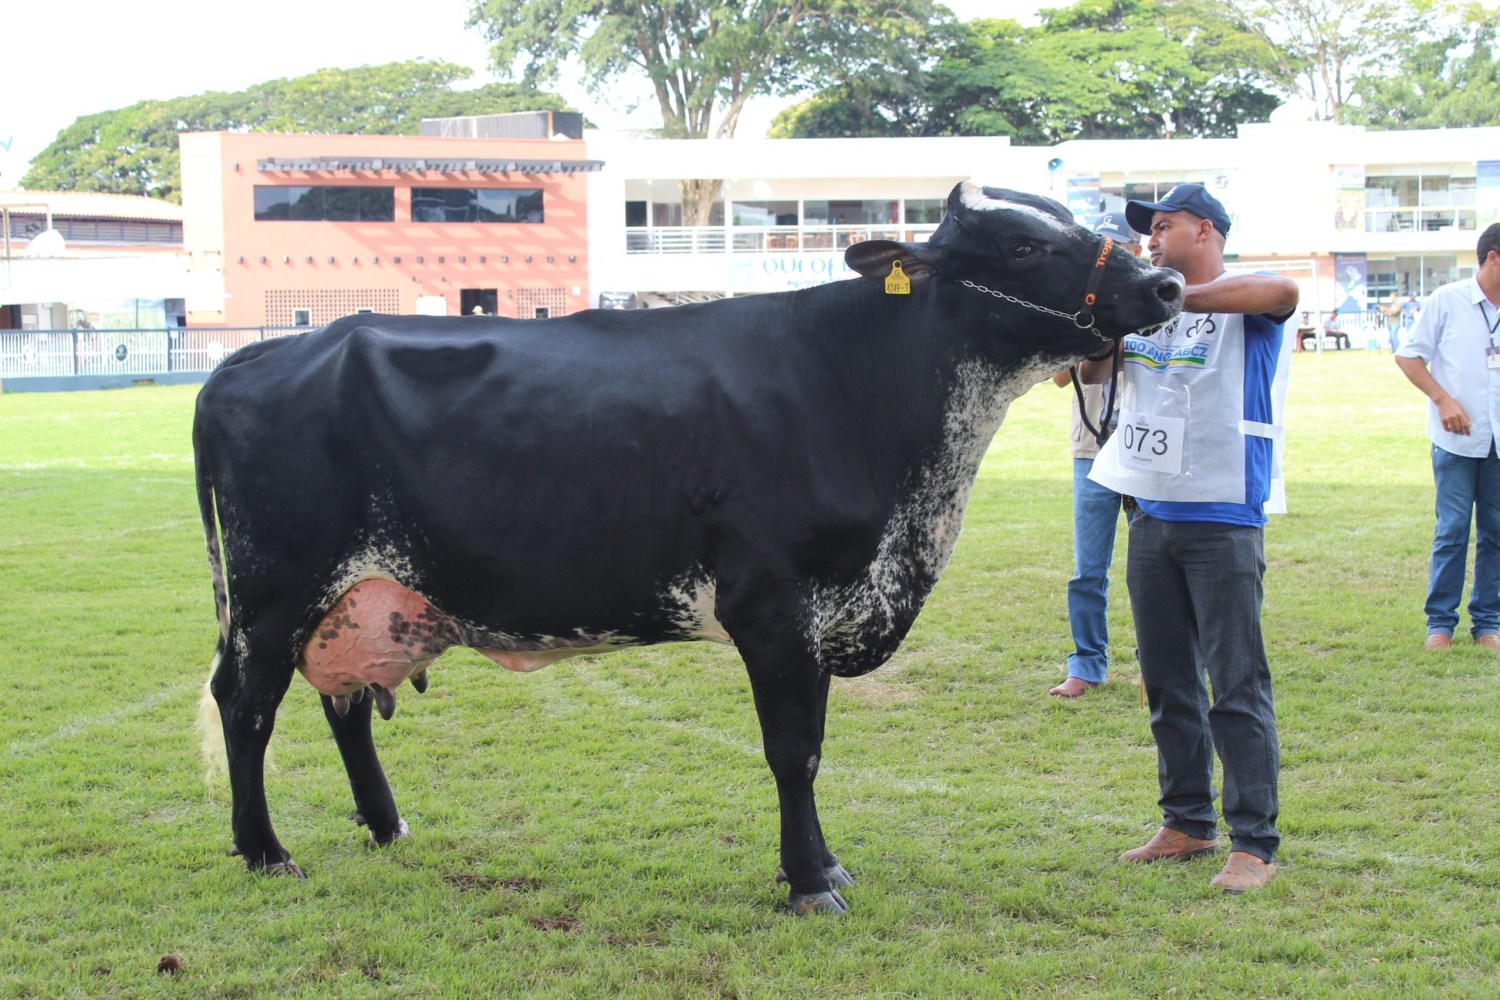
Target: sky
x=74, y=59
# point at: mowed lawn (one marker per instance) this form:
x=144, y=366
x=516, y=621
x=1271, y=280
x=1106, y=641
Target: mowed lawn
x=608, y=827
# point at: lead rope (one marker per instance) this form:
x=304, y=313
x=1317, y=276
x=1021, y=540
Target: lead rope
x=1103, y=431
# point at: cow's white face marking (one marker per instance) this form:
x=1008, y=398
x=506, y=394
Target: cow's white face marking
x=975, y=199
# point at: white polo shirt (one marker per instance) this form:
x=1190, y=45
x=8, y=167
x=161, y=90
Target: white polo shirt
x=1451, y=336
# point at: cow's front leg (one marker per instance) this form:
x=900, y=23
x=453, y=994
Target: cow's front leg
x=791, y=698
x=248, y=693
x=374, y=805
x=838, y=877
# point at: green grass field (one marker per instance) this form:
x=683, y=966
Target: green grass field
x=608, y=827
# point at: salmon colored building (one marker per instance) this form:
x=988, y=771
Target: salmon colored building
x=307, y=228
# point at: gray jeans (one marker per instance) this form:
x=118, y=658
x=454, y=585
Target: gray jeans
x=1195, y=594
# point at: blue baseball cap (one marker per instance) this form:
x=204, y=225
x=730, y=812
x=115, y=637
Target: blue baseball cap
x=1191, y=198
x=1113, y=225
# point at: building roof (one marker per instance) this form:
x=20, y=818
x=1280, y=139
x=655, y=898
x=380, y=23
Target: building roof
x=410, y=164
x=91, y=205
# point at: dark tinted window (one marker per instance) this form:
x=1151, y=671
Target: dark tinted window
x=476, y=205
x=324, y=203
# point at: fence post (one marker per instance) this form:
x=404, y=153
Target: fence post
x=73, y=332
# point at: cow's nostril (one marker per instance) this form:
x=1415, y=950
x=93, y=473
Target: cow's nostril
x=1169, y=291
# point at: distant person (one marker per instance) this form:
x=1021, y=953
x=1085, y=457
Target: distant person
x=1454, y=359
x=1331, y=329
x=1392, y=313
x=1410, y=309
x=1096, y=513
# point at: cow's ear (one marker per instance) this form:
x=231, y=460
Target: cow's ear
x=873, y=259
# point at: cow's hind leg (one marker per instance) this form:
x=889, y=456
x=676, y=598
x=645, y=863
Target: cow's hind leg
x=374, y=806
x=248, y=689
x=791, y=694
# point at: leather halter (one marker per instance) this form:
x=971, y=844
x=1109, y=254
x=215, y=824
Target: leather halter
x=1084, y=317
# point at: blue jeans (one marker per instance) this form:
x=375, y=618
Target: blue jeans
x=1096, y=511
x=1196, y=593
x=1467, y=488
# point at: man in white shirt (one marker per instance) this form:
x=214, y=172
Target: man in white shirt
x=1454, y=358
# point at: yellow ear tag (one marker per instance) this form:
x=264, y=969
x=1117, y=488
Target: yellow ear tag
x=897, y=283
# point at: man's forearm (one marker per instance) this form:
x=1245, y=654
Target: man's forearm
x=1416, y=372
x=1252, y=294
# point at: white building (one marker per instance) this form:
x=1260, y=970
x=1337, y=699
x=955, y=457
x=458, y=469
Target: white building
x=1353, y=215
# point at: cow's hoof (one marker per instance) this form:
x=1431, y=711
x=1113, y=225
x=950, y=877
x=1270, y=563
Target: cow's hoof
x=838, y=877
x=287, y=868
x=399, y=833
x=802, y=903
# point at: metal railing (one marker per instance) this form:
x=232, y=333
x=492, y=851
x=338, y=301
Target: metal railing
x=144, y=352
x=762, y=239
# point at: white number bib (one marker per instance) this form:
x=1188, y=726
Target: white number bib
x=1151, y=442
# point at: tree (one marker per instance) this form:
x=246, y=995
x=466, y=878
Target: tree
x=1324, y=46
x=1448, y=81
x=1100, y=69
x=704, y=59
x=134, y=150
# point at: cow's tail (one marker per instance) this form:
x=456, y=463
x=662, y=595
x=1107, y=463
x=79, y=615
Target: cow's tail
x=210, y=726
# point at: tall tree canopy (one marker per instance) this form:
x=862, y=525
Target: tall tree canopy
x=1450, y=81
x=704, y=59
x=1323, y=46
x=134, y=150
x=1100, y=69
x=1387, y=63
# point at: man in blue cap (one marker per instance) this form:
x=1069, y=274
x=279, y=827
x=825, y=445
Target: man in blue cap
x=1194, y=447
x=1096, y=513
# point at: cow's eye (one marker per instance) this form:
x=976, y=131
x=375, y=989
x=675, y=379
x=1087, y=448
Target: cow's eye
x=1020, y=251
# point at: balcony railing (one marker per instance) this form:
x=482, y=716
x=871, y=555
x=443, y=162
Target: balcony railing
x=762, y=239
x=1425, y=220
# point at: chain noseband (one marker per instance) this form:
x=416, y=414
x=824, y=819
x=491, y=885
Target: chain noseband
x=1084, y=317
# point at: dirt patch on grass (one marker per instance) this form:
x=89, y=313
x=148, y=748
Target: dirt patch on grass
x=871, y=691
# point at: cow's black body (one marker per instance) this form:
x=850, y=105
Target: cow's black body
x=786, y=472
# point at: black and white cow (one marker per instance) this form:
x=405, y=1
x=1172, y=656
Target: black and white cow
x=786, y=473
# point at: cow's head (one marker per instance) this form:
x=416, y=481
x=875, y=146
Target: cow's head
x=1065, y=290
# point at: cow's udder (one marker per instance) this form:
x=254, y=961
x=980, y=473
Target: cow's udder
x=378, y=632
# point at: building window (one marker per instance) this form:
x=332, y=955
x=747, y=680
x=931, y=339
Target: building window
x=764, y=213
x=476, y=205
x=302, y=317
x=324, y=203
x=1420, y=201
x=867, y=212
x=924, y=211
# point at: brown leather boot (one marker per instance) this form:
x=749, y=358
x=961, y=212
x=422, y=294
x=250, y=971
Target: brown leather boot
x=1170, y=844
x=1243, y=871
